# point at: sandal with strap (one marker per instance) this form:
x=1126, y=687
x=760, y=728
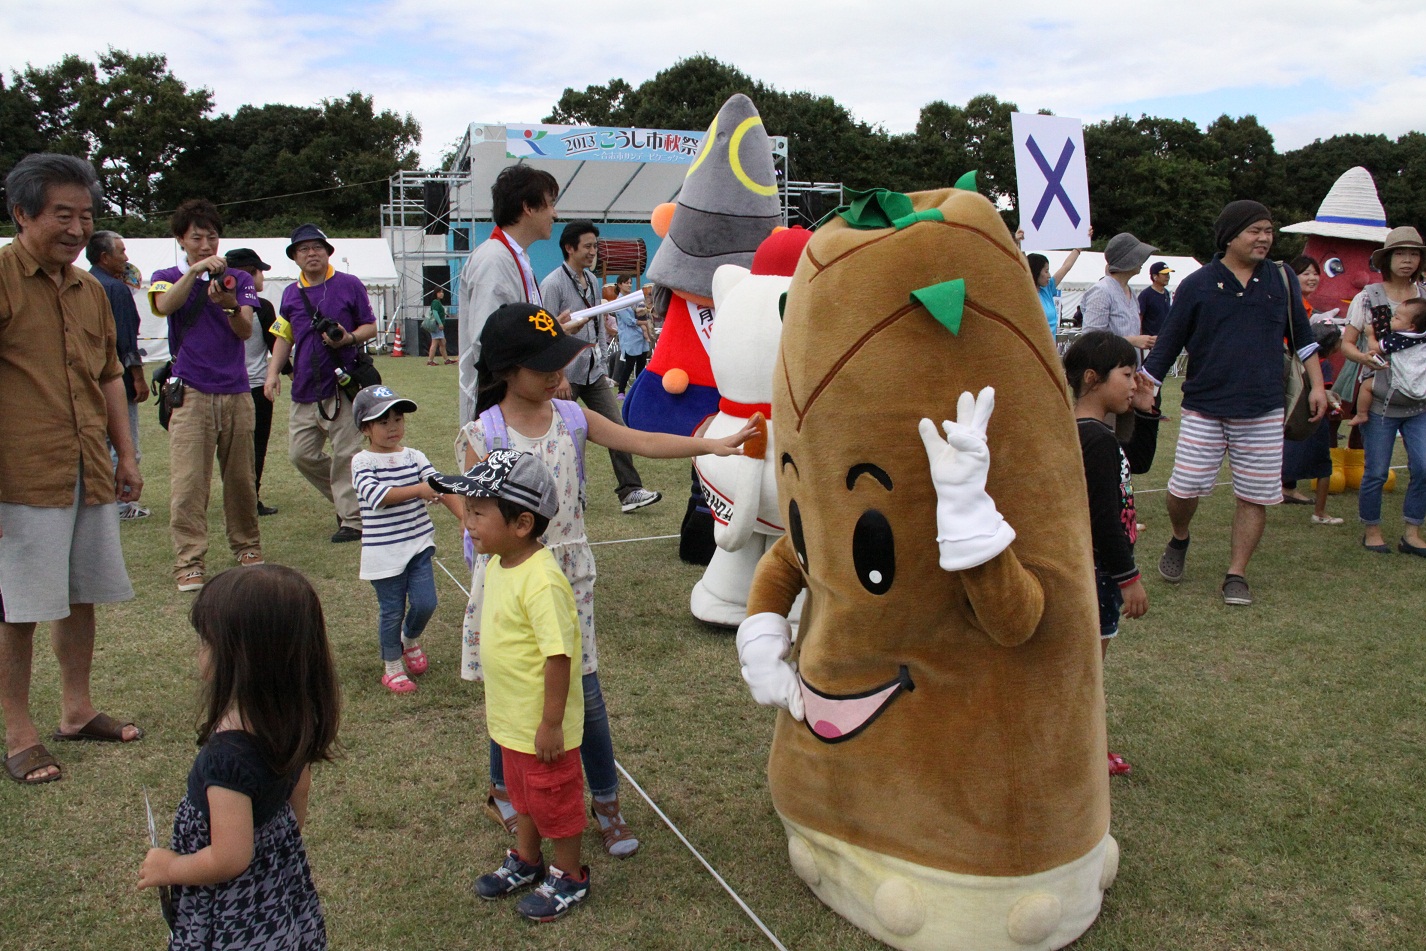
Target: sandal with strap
x=398, y=683
x=416, y=660
x=612, y=827
x=492, y=809
x=32, y=759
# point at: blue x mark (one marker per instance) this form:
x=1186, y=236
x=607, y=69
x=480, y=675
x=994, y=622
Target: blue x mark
x=1053, y=177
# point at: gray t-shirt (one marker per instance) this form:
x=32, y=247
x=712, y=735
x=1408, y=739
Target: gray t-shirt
x=560, y=291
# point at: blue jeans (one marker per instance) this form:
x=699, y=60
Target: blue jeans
x=597, y=750
x=416, y=585
x=1378, y=441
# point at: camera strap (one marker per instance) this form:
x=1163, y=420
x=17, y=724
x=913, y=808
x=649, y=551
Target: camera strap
x=314, y=314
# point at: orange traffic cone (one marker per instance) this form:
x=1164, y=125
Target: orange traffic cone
x=396, y=350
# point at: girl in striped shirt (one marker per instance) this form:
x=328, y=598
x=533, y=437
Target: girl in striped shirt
x=398, y=539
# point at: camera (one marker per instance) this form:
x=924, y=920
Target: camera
x=328, y=328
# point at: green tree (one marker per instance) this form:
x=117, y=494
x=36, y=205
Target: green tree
x=298, y=163
x=1155, y=178
x=130, y=116
x=19, y=133
x=956, y=139
x=1247, y=159
x=60, y=99
x=597, y=105
x=146, y=117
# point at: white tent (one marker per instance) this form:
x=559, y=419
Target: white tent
x=367, y=258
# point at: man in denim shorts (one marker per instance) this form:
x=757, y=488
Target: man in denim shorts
x=64, y=389
x=1233, y=316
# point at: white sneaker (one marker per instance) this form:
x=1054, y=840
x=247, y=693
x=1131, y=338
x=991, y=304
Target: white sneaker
x=638, y=498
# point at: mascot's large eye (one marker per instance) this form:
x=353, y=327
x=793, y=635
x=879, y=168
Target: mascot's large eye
x=874, y=552
x=794, y=525
x=1332, y=267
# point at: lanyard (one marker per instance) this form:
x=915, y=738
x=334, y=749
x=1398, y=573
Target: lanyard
x=532, y=294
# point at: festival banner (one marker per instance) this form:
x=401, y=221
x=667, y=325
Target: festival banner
x=1051, y=180
x=598, y=144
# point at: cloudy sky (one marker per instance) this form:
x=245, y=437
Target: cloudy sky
x=1307, y=69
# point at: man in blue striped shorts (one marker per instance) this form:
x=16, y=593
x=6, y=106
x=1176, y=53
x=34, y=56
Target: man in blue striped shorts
x=1232, y=315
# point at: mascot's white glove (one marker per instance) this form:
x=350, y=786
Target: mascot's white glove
x=969, y=528
x=764, y=641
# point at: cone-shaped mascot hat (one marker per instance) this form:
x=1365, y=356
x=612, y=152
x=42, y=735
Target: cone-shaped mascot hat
x=728, y=205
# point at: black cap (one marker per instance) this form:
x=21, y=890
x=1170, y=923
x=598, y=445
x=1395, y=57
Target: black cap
x=526, y=335
x=308, y=232
x=246, y=257
x=1158, y=266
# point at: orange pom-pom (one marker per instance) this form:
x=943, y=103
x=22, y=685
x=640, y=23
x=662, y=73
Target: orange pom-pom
x=661, y=218
x=675, y=381
x=756, y=445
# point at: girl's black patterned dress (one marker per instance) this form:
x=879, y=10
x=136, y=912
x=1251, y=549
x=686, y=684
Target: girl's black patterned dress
x=273, y=904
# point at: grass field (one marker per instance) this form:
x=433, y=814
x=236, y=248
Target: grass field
x=1277, y=797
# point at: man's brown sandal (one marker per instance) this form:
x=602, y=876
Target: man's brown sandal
x=30, y=760
x=101, y=729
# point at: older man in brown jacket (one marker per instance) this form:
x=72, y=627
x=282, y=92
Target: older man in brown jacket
x=59, y=527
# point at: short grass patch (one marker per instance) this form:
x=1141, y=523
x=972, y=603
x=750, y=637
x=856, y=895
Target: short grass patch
x=1276, y=799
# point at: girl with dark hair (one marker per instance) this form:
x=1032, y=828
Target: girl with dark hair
x=1101, y=369
x=1047, y=285
x=271, y=708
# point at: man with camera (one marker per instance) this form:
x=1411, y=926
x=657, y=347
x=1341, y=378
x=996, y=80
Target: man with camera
x=210, y=314
x=325, y=318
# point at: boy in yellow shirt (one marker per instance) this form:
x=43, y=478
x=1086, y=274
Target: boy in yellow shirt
x=529, y=633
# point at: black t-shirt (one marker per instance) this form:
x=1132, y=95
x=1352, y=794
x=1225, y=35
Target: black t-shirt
x=231, y=760
x=1107, y=466
x=1153, y=311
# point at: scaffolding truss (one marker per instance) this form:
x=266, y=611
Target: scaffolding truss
x=425, y=208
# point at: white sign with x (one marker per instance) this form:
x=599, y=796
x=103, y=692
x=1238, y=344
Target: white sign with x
x=1051, y=180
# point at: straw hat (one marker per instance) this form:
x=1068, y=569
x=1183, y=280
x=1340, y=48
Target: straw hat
x=1404, y=238
x=1351, y=209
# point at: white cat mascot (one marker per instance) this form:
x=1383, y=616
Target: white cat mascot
x=741, y=491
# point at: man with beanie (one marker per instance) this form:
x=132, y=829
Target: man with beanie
x=1233, y=315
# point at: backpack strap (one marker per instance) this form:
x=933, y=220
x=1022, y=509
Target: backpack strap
x=492, y=424
x=578, y=427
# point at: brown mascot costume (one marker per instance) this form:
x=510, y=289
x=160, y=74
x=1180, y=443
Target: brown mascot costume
x=939, y=766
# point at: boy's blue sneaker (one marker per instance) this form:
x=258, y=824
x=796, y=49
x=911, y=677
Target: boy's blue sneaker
x=557, y=894
x=513, y=875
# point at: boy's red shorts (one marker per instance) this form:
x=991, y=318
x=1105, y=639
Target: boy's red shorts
x=552, y=794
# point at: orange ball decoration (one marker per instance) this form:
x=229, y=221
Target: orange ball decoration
x=675, y=381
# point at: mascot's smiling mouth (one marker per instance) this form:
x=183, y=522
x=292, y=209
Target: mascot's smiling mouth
x=834, y=719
